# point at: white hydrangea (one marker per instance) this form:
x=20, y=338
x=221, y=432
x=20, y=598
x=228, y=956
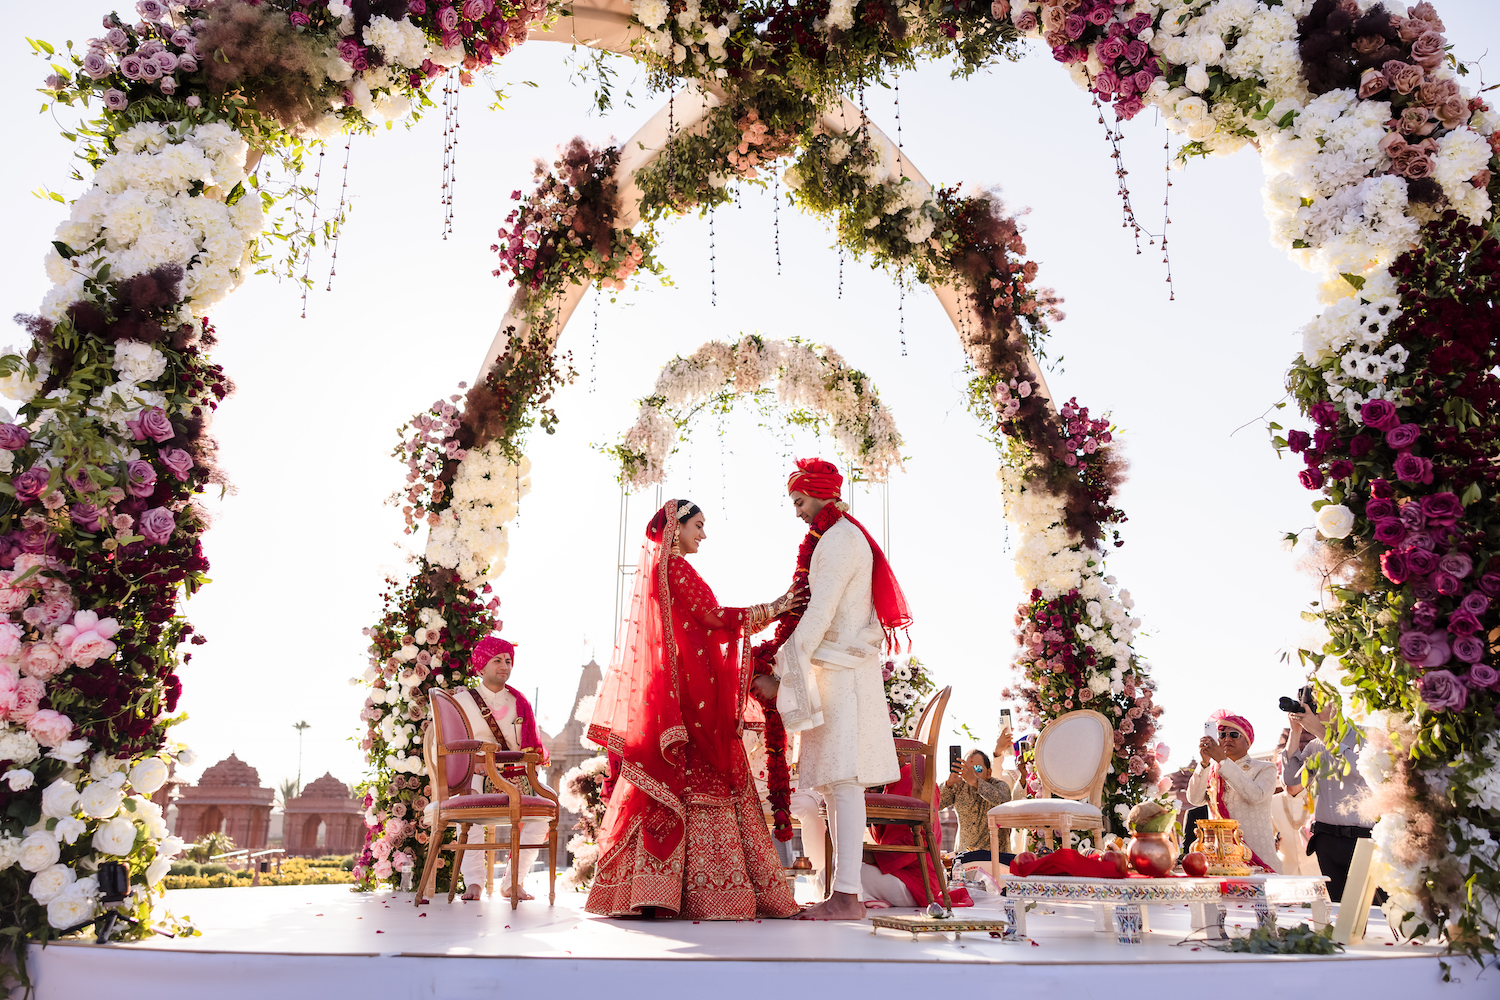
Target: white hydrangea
x=400, y=42
x=1461, y=154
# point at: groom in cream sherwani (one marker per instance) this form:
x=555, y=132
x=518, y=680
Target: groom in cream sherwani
x=828, y=684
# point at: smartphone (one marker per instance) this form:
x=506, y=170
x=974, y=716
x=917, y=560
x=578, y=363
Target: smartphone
x=1211, y=729
x=955, y=756
x=1005, y=720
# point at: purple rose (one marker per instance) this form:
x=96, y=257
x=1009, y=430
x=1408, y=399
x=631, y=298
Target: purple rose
x=1324, y=413
x=1424, y=615
x=30, y=484
x=1481, y=675
x=1420, y=561
x=1098, y=16
x=1475, y=604
x=1457, y=564
x=95, y=65
x=1440, y=652
x=115, y=100
x=1311, y=478
x=1421, y=540
x=1381, y=489
x=157, y=525
x=1136, y=51
x=1073, y=25
x=1446, y=583
x=177, y=461
x=1490, y=584
x=1143, y=77
x=416, y=8
x=447, y=18
x=1413, y=469
x=1389, y=530
x=1415, y=646
x=1360, y=445
x=1376, y=509
x=1105, y=83
x=1402, y=436
x=14, y=437
x=1442, y=691
x=132, y=66
x=1412, y=516
x=1298, y=441
x=168, y=85
x=167, y=61
x=1393, y=565
x=298, y=19
x=150, y=10
x=1111, y=49
x=151, y=423
x=1462, y=622
x=86, y=515
x=1340, y=468
x=1442, y=508
x=1379, y=414
x=140, y=478
x=116, y=38
x=1422, y=590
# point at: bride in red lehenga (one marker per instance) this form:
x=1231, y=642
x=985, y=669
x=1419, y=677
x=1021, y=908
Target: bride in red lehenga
x=685, y=833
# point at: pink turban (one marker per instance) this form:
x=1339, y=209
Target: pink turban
x=816, y=477
x=1224, y=715
x=487, y=649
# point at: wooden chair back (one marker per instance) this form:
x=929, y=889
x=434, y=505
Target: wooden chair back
x=921, y=751
x=1072, y=756
x=451, y=772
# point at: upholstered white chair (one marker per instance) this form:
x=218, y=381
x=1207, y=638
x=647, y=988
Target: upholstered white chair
x=1071, y=759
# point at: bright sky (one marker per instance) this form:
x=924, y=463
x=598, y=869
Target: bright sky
x=300, y=549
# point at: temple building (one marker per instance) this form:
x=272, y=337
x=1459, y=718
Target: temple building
x=229, y=799
x=567, y=749
x=325, y=819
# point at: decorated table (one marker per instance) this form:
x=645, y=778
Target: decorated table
x=1207, y=897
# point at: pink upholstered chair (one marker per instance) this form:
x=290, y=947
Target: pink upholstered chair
x=1071, y=759
x=915, y=811
x=453, y=757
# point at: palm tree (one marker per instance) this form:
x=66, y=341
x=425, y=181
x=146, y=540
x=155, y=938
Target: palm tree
x=300, y=727
x=289, y=789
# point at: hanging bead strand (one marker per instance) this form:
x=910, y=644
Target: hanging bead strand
x=776, y=220
x=713, y=288
x=339, y=218
x=450, y=143
x=1166, y=208
x=311, y=227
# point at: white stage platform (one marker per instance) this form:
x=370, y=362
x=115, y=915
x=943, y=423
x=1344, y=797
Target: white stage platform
x=328, y=943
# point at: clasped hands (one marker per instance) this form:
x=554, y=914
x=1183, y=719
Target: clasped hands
x=1211, y=749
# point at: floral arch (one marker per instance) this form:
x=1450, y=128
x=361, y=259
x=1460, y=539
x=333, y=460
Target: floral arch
x=1383, y=172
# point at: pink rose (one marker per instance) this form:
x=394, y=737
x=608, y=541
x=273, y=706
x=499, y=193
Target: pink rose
x=1428, y=50
x=382, y=867
x=1371, y=83
x=447, y=19
x=13, y=597
x=116, y=100
x=151, y=423
x=87, y=638
x=49, y=728
x=999, y=9
x=178, y=462
x=1025, y=21
x=1403, y=77
x=10, y=639
x=140, y=478
x=52, y=611
x=29, y=693
x=157, y=525
x=42, y=660
x=10, y=681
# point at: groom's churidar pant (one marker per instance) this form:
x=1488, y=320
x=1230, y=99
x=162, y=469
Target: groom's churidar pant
x=532, y=832
x=846, y=820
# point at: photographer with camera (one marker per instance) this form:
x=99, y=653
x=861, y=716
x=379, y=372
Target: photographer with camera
x=972, y=791
x=1337, y=822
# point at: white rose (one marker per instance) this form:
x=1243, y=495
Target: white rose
x=148, y=775
x=38, y=851
x=115, y=837
x=1197, y=78
x=100, y=800
x=69, y=828
x=103, y=765
x=1335, y=520
x=157, y=870
x=1192, y=109
x=70, y=751
x=70, y=910
x=49, y=883
x=19, y=779
x=59, y=799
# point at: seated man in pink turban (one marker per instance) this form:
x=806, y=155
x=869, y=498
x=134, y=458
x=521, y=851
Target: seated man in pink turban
x=500, y=714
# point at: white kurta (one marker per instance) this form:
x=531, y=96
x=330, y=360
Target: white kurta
x=1248, y=787
x=502, y=705
x=831, y=686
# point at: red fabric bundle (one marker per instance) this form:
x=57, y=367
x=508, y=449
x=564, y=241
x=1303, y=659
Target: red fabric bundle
x=1066, y=861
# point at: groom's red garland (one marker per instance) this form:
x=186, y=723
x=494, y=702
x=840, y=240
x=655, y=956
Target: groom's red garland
x=778, y=776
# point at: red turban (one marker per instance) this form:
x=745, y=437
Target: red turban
x=816, y=477
x=489, y=648
x=1224, y=715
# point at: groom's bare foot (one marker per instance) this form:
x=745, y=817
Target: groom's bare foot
x=839, y=906
x=523, y=897
x=471, y=893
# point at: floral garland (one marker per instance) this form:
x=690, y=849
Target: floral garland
x=1404, y=450
x=907, y=686
x=581, y=791
x=813, y=384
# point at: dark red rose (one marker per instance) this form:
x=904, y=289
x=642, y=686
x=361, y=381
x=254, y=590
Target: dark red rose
x=1360, y=445
x=1311, y=478
x=1324, y=413
x=1381, y=489
x=1340, y=469
x=1393, y=565
x=1298, y=441
x=1379, y=414
x=1420, y=562
x=1389, y=530
x=1409, y=467
x=1442, y=508
x=1379, y=508
x=1403, y=436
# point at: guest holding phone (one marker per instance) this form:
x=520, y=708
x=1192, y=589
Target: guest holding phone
x=972, y=791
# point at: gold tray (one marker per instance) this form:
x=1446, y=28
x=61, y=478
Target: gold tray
x=917, y=924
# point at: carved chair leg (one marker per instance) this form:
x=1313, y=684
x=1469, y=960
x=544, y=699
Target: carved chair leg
x=458, y=854
x=552, y=862
x=515, y=861
x=429, y=868
x=934, y=848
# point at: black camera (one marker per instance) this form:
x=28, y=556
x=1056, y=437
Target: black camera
x=1291, y=704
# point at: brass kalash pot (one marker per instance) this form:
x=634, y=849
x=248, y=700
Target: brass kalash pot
x=1220, y=843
